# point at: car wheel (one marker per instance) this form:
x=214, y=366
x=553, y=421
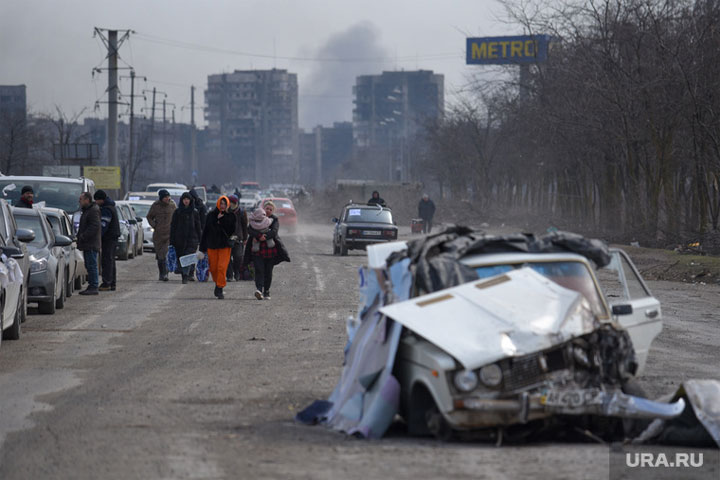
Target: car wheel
x=124, y=254
x=23, y=311
x=48, y=308
x=60, y=301
x=78, y=282
x=131, y=249
x=336, y=249
x=13, y=333
x=343, y=249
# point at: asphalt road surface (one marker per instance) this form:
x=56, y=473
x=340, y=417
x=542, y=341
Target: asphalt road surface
x=161, y=380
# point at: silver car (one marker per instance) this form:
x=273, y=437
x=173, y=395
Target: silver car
x=62, y=225
x=135, y=224
x=48, y=264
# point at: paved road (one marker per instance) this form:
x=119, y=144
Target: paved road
x=160, y=380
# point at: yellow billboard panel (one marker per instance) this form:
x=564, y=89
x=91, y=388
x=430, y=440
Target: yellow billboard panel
x=105, y=178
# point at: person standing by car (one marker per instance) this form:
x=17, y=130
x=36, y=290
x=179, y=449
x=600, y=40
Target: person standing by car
x=219, y=227
x=89, y=240
x=235, y=267
x=26, y=197
x=110, y=233
x=185, y=231
x=376, y=199
x=264, y=248
x=160, y=217
x=426, y=211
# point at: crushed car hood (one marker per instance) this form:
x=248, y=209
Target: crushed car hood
x=509, y=315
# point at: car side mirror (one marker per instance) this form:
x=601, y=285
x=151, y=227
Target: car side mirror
x=622, y=309
x=13, y=252
x=62, y=241
x=24, y=235
x=334, y=220
x=132, y=222
x=138, y=219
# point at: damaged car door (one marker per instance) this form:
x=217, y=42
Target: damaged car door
x=632, y=304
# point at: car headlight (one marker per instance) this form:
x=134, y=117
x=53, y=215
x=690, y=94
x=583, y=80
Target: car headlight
x=465, y=380
x=491, y=375
x=38, y=264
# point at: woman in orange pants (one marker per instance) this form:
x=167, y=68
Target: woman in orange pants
x=216, y=242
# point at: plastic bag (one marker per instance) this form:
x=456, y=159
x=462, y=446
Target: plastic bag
x=202, y=269
x=171, y=259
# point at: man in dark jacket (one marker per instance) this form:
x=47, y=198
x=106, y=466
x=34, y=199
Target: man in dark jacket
x=26, y=197
x=110, y=233
x=199, y=206
x=235, y=268
x=89, y=241
x=185, y=231
x=426, y=211
x=376, y=199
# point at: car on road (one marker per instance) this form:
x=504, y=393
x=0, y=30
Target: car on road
x=56, y=192
x=154, y=187
x=285, y=211
x=142, y=207
x=541, y=332
x=48, y=266
x=134, y=196
x=13, y=295
x=361, y=225
x=136, y=226
x=62, y=225
x=125, y=247
x=248, y=200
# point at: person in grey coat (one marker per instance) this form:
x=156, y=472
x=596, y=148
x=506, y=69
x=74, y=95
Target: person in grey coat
x=89, y=240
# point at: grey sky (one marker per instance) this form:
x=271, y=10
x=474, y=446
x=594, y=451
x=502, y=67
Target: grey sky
x=48, y=45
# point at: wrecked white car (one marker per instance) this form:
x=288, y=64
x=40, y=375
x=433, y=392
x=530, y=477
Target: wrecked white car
x=503, y=336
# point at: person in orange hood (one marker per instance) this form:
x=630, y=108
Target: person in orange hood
x=216, y=242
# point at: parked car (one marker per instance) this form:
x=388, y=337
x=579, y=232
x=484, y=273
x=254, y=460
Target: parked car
x=361, y=225
x=62, y=225
x=248, y=200
x=134, y=196
x=154, y=187
x=212, y=199
x=548, y=328
x=142, y=207
x=285, y=211
x=13, y=297
x=136, y=226
x=48, y=265
x=55, y=192
x=125, y=247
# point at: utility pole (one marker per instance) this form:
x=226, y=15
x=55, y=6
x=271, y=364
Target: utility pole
x=193, y=137
x=130, y=165
x=113, y=44
x=172, y=145
x=164, y=141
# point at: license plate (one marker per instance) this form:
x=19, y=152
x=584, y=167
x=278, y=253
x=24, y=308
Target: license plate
x=572, y=398
x=371, y=232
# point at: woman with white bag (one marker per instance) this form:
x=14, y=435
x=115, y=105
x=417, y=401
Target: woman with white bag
x=185, y=231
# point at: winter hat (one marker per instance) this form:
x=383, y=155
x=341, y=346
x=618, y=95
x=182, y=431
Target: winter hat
x=188, y=196
x=100, y=195
x=259, y=220
x=162, y=194
x=233, y=199
x=25, y=189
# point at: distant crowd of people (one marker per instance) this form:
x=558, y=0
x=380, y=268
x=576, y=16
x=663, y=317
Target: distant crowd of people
x=231, y=240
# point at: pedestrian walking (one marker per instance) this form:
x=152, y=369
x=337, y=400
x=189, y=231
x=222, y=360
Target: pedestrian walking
x=89, y=240
x=27, y=196
x=264, y=248
x=376, y=199
x=199, y=205
x=110, y=224
x=185, y=231
x=160, y=217
x=215, y=241
x=426, y=211
x=235, y=268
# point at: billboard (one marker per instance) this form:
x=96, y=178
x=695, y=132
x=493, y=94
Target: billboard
x=106, y=178
x=507, y=50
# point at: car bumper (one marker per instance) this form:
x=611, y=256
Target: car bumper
x=40, y=287
x=361, y=243
x=474, y=412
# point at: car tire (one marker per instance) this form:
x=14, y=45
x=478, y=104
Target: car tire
x=23, y=312
x=343, y=249
x=336, y=249
x=13, y=333
x=123, y=255
x=69, y=286
x=78, y=282
x=48, y=308
x=60, y=301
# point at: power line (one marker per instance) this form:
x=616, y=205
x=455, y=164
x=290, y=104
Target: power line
x=205, y=48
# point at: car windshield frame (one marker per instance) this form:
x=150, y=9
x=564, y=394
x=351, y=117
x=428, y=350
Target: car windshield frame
x=63, y=195
x=41, y=239
x=373, y=215
x=545, y=268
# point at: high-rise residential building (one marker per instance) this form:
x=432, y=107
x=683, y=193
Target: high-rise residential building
x=13, y=129
x=323, y=153
x=395, y=106
x=252, y=120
